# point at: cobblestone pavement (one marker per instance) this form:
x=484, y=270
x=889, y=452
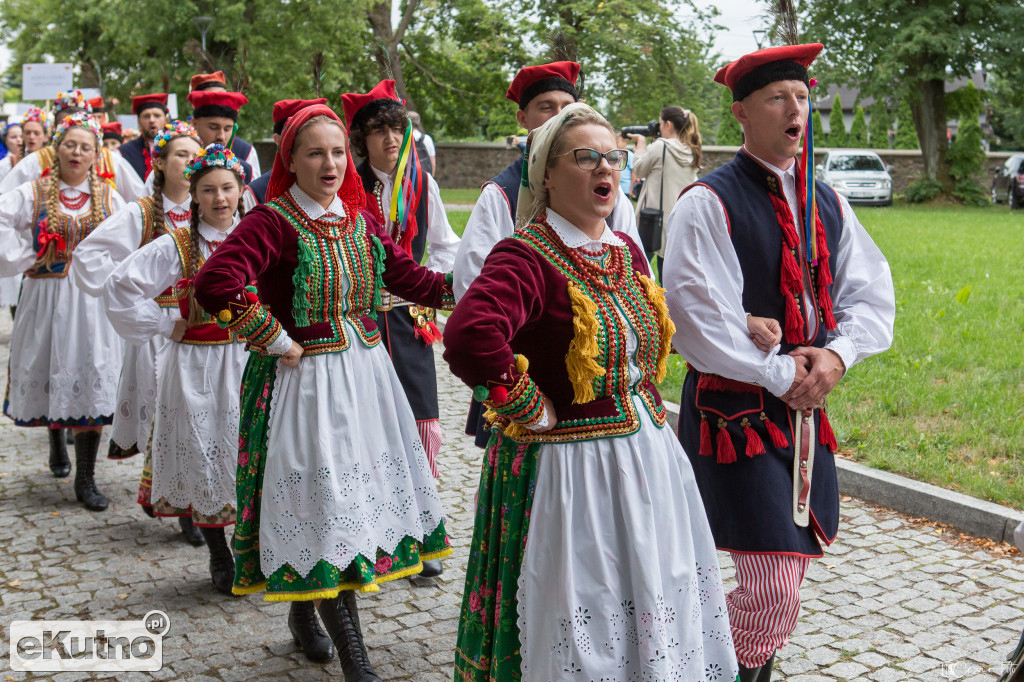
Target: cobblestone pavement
x=890, y=601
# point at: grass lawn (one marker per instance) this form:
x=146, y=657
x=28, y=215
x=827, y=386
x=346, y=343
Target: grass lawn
x=460, y=196
x=946, y=404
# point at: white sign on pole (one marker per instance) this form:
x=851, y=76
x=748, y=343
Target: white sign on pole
x=172, y=106
x=90, y=93
x=44, y=81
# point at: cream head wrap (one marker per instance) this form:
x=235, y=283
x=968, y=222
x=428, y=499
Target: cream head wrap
x=532, y=190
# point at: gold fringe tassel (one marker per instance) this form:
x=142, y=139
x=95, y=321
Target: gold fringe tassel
x=579, y=361
x=656, y=295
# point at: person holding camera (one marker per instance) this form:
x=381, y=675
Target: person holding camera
x=667, y=166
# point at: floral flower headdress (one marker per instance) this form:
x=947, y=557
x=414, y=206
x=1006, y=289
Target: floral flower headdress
x=79, y=118
x=212, y=156
x=38, y=115
x=171, y=131
x=74, y=98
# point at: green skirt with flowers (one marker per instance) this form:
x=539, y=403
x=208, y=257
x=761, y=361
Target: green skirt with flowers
x=487, y=648
x=325, y=580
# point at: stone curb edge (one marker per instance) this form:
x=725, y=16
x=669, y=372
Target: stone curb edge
x=979, y=518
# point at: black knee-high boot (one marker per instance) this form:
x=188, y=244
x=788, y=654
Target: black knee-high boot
x=222, y=563
x=87, y=444
x=60, y=465
x=341, y=618
x=307, y=633
x=189, y=531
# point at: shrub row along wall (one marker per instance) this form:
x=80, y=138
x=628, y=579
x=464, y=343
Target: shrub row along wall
x=470, y=164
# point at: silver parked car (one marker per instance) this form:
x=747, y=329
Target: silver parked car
x=857, y=174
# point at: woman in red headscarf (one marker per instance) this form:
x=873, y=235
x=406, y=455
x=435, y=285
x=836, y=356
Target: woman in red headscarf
x=334, y=489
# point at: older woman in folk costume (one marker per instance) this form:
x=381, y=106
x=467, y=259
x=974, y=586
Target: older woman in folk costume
x=334, y=489
x=137, y=224
x=592, y=557
x=65, y=356
x=195, y=434
x=110, y=166
x=406, y=201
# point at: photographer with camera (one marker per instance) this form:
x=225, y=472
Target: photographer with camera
x=668, y=165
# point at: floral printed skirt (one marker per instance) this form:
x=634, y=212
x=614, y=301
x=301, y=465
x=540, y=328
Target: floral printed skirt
x=384, y=553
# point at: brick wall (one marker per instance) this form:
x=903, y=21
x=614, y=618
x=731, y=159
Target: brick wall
x=469, y=164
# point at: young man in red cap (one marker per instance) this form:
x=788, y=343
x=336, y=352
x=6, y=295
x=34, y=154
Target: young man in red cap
x=99, y=109
x=378, y=124
x=112, y=135
x=255, y=192
x=216, y=82
x=152, y=114
x=215, y=118
x=742, y=241
x=112, y=168
x=541, y=91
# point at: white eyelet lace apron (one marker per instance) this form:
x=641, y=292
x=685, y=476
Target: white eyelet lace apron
x=620, y=579
x=346, y=472
x=65, y=355
x=195, y=434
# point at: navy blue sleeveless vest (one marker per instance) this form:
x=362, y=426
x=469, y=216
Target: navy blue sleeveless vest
x=509, y=181
x=132, y=153
x=743, y=187
x=259, y=187
x=749, y=501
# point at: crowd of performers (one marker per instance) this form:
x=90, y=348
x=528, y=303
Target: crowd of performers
x=264, y=341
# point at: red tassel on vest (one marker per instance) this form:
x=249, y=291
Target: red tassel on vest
x=826, y=436
x=726, y=451
x=779, y=439
x=755, y=446
x=705, y=437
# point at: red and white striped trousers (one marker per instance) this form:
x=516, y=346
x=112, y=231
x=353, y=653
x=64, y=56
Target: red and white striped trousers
x=764, y=606
x=430, y=436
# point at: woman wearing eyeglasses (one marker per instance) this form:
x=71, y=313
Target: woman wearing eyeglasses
x=591, y=556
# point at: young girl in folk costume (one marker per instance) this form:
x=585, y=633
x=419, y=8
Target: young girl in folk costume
x=592, y=557
x=406, y=201
x=195, y=434
x=131, y=228
x=334, y=488
x=65, y=356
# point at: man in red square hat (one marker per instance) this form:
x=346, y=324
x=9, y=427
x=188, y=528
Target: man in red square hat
x=759, y=236
x=151, y=112
x=380, y=132
x=113, y=135
x=541, y=91
x=256, y=191
x=215, y=118
x=216, y=82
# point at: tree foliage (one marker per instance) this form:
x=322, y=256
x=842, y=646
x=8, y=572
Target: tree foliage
x=911, y=48
x=836, y=125
x=858, y=129
x=906, y=135
x=878, y=126
x=820, y=138
x=729, y=130
x=453, y=59
x=966, y=154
